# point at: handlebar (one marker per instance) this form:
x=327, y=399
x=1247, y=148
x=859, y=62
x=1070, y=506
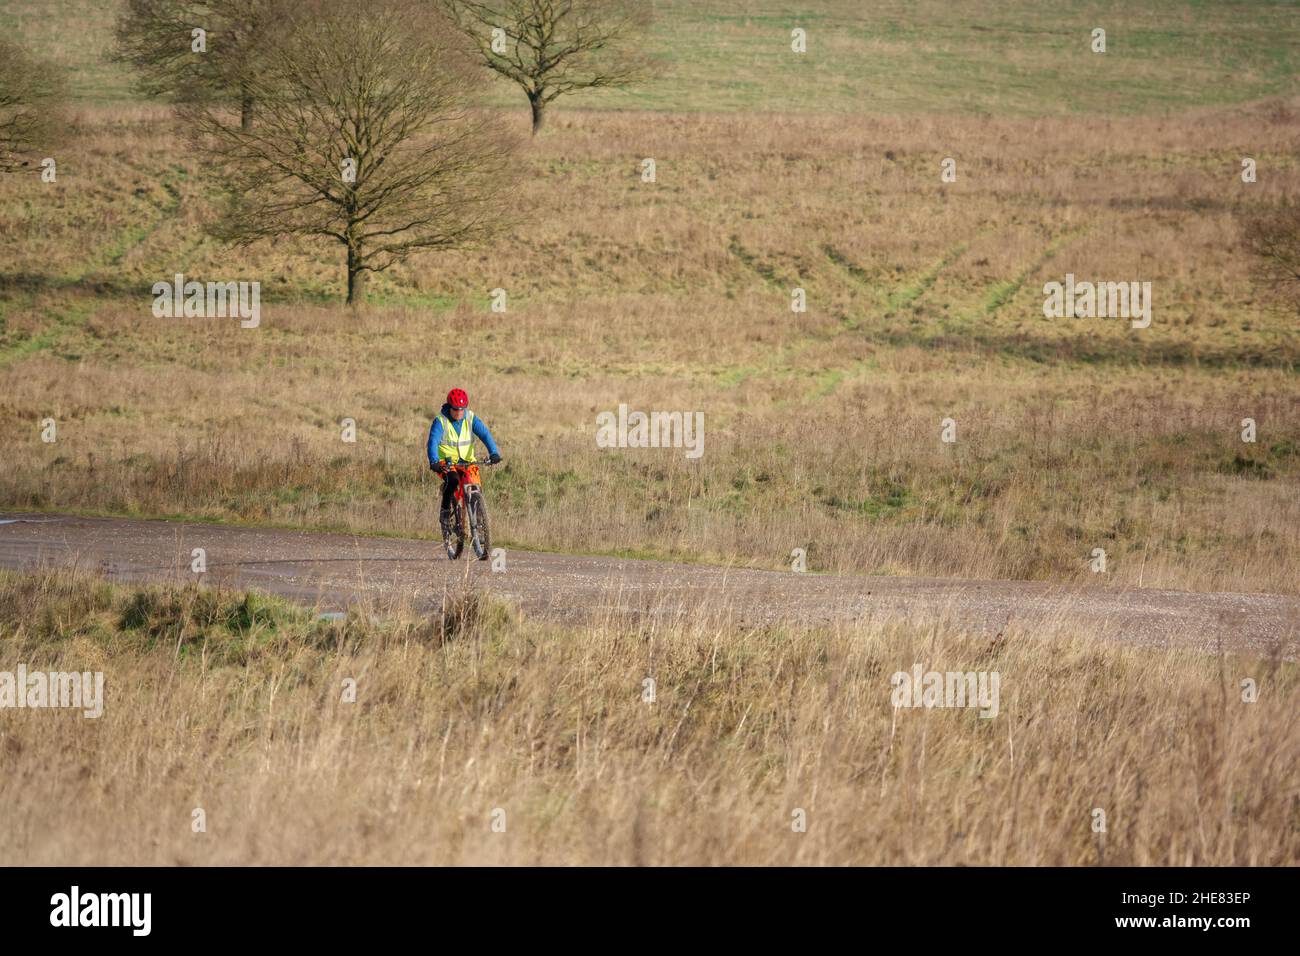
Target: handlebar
x=481, y=464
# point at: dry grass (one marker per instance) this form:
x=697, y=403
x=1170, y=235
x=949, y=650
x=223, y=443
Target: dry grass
x=822, y=430
x=231, y=703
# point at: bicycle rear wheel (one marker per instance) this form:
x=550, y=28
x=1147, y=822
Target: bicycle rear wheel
x=453, y=531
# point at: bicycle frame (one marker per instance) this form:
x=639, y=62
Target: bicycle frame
x=469, y=475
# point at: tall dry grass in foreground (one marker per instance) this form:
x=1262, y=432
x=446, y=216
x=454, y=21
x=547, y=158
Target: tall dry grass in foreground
x=231, y=703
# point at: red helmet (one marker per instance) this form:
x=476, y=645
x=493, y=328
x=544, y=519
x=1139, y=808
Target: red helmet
x=457, y=398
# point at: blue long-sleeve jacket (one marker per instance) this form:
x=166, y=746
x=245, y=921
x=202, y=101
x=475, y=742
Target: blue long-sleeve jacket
x=480, y=432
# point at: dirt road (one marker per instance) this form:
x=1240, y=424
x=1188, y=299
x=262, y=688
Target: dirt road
x=333, y=571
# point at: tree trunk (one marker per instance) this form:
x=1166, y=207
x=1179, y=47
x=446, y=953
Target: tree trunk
x=538, y=111
x=356, y=276
x=246, y=112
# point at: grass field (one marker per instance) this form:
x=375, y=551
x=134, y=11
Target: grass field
x=775, y=171
x=476, y=717
x=1019, y=57
x=822, y=429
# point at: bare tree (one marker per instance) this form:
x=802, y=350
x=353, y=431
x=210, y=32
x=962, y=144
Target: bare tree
x=195, y=50
x=554, y=47
x=1274, y=238
x=364, y=136
x=31, y=107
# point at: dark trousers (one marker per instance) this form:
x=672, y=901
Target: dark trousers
x=449, y=481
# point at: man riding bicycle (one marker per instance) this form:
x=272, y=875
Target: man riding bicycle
x=451, y=440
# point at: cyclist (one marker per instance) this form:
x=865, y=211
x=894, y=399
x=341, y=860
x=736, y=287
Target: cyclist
x=451, y=440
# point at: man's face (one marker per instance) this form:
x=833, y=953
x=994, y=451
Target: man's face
x=457, y=414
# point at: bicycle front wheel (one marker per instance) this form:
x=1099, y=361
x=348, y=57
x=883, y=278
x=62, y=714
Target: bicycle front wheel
x=480, y=534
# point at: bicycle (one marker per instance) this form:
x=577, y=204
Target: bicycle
x=468, y=507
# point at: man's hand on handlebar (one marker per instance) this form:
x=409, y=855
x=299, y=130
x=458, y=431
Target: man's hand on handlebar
x=442, y=467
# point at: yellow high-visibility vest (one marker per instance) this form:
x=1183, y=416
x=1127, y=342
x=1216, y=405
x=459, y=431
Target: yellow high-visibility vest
x=457, y=445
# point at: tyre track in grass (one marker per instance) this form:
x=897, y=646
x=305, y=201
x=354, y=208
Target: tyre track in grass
x=1000, y=293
